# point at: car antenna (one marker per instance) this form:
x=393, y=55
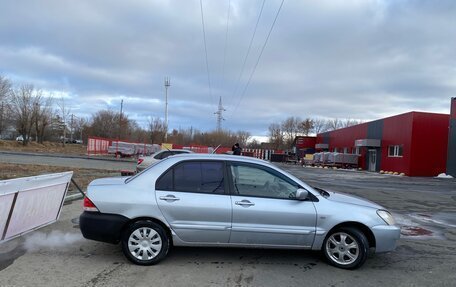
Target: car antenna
x=215, y=149
x=173, y=153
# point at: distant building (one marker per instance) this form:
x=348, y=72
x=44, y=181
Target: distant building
x=414, y=143
x=303, y=145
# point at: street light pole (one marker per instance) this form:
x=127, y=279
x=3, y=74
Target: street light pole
x=167, y=84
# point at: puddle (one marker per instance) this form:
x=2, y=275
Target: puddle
x=425, y=225
x=415, y=231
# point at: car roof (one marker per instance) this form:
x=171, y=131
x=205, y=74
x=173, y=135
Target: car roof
x=176, y=149
x=204, y=156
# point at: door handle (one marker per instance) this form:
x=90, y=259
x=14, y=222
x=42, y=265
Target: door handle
x=244, y=203
x=169, y=197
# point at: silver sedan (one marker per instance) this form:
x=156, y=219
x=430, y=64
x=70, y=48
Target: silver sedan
x=231, y=201
x=145, y=161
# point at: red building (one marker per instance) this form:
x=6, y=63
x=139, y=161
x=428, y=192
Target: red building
x=413, y=143
x=304, y=145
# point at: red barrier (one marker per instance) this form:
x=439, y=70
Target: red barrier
x=97, y=145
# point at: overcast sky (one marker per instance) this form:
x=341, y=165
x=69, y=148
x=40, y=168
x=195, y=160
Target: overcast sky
x=357, y=59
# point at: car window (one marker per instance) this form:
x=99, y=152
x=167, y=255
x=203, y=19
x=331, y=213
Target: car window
x=166, y=181
x=194, y=176
x=162, y=155
x=250, y=180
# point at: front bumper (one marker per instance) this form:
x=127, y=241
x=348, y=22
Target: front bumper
x=386, y=237
x=102, y=227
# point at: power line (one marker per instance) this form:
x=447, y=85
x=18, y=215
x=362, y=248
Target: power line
x=205, y=50
x=226, y=43
x=259, y=57
x=248, y=51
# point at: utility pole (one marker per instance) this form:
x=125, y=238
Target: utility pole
x=71, y=128
x=219, y=114
x=1, y=121
x=167, y=84
x=120, y=119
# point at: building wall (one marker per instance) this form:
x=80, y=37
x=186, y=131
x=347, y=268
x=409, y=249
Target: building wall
x=429, y=144
x=423, y=137
x=346, y=137
x=305, y=142
x=397, y=130
x=451, y=158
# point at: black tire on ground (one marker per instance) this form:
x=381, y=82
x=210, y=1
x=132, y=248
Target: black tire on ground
x=346, y=248
x=145, y=242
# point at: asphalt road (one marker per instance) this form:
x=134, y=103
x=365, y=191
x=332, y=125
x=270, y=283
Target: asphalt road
x=67, y=161
x=57, y=255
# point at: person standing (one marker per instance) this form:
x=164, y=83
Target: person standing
x=237, y=150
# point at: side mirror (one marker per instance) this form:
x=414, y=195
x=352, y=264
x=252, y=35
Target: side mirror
x=301, y=194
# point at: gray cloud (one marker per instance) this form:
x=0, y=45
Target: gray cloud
x=359, y=59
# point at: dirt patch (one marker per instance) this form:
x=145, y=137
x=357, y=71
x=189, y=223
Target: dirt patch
x=82, y=176
x=46, y=147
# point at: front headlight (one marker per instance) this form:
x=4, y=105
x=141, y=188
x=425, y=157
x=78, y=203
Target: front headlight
x=386, y=216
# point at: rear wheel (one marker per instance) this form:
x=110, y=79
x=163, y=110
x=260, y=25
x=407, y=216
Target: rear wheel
x=346, y=248
x=145, y=243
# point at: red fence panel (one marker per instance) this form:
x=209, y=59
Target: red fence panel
x=97, y=145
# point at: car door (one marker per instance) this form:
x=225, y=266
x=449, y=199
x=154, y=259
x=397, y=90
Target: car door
x=265, y=211
x=191, y=195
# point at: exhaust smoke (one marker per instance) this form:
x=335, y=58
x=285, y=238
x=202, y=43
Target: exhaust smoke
x=52, y=241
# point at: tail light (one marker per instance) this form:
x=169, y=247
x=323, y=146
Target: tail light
x=140, y=160
x=88, y=205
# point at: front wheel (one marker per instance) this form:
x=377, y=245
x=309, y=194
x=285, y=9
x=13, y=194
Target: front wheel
x=346, y=248
x=145, y=243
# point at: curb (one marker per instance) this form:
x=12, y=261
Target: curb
x=73, y=197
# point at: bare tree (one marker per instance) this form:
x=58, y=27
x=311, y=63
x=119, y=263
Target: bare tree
x=43, y=117
x=242, y=137
x=254, y=143
x=23, y=103
x=306, y=126
x=349, y=122
x=276, y=136
x=104, y=123
x=333, y=124
x=5, y=90
x=79, y=127
x=290, y=128
x=319, y=125
x=63, y=113
x=157, y=130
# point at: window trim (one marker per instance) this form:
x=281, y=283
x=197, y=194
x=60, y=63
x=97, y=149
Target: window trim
x=267, y=169
x=226, y=190
x=396, y=149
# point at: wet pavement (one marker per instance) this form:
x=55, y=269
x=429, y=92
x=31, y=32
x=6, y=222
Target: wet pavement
x=425, y=208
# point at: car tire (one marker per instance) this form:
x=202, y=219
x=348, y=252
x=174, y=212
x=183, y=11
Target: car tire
x=145, y=242
x=346, y=248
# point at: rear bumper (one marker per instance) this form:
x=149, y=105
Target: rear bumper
x=102, y=227
x=386, y=237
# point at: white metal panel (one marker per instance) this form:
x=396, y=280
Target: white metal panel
x=35, y=207
x=38, y=202
x=25, y=183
